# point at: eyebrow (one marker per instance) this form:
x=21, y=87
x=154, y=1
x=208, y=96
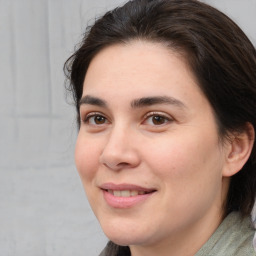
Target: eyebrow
x=137, y=103
x=92, y=101
x=148, y=101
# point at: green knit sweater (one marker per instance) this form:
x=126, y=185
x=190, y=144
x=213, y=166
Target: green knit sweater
x=234, y=237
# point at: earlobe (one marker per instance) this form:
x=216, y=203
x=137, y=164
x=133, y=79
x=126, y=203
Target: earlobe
x=238, y=150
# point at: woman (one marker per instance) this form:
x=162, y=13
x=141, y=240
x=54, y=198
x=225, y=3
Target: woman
x=165, y=92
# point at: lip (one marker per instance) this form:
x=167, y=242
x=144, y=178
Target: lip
x=125, y=186
x=125, y=202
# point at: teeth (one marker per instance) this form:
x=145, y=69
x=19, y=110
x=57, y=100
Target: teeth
x=117, y=193
x=134, y=193
x=125, y=193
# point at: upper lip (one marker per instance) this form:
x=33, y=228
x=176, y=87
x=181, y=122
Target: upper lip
x=125, y=186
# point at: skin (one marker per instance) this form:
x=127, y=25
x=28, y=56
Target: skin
x=179, y=154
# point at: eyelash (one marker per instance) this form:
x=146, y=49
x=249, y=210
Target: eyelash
x=161, y=116
x=165, y=118
x=87, y=118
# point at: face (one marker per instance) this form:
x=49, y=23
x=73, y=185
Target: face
x=148, y=150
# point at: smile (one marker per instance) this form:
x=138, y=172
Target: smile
x=126, y=193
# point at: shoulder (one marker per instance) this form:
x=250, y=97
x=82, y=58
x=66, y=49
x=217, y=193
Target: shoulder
x=233, y=237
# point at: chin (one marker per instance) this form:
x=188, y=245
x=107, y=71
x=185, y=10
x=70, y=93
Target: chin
x=120, y=241
x=124, y=237
x=127, y=240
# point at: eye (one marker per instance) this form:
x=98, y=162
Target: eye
x=157, y=119
x=95, y=119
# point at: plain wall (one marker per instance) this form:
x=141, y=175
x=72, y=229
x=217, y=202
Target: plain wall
x=43, y=208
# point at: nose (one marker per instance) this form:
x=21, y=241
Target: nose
x=120, y=150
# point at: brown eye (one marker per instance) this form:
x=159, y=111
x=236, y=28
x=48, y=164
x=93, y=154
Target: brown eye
x=99, y=119
x=155, y=119
x=95, y=119
x=158, y=120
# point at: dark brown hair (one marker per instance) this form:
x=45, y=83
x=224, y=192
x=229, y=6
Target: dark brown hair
x=218, y=52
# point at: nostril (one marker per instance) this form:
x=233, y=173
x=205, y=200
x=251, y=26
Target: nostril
x=123, y=164
x=115, y=159
x=117, y=166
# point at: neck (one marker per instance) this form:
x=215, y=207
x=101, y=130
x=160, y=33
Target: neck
x=182, y=243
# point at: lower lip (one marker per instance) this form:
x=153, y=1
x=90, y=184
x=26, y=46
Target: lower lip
x=124, y=202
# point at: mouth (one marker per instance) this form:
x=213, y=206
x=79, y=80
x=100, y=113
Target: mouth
x=125, y=195
x=126, y=190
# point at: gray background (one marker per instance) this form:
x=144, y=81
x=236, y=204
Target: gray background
x=43, y=209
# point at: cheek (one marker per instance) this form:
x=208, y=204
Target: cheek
x=185, y=168
x=86, y=158
x=184, y=157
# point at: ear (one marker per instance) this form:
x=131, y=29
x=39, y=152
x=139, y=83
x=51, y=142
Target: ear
x=238, y=150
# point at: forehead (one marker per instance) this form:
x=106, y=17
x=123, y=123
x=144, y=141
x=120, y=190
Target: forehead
x=140, y=69
x=136, y=60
